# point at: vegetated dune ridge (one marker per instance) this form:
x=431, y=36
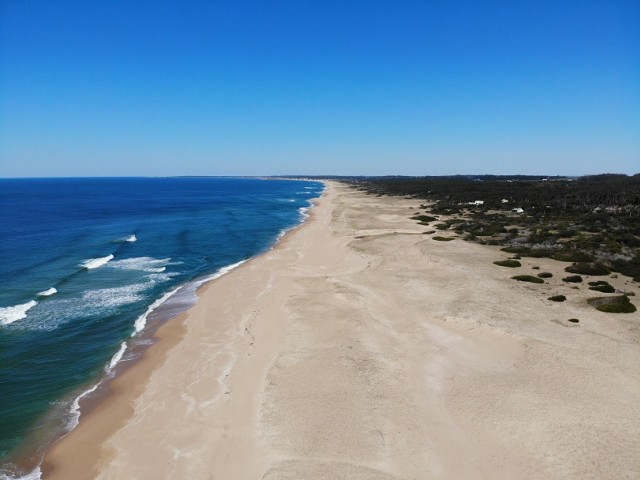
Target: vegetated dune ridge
x=360, y=348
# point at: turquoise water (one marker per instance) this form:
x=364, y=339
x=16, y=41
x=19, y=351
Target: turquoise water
x=87, y=264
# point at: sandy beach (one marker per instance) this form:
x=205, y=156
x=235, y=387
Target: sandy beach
x=360, y=348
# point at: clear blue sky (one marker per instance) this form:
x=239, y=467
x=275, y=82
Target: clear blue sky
x=326, y=87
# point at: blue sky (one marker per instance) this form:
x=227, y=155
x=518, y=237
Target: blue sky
x=377, y=87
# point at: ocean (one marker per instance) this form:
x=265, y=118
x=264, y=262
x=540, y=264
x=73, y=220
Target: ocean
x=89, y=266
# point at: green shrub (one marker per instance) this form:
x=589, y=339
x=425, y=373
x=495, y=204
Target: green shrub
x=630, y=268
x=441, y=226
x=545, y=275
x=619, y=304
x=601, y=286
x=603, y=289
x=573, y=256
x=508, y=263
x=443, y=239
x=588, y=269
x=528, y=278
x=573, y=279
x=424, y=218
x=520, y=250
x=539, y=253
x=557, y=298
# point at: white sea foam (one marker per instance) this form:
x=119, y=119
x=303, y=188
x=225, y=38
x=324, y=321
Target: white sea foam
x=281, y=235
x=220, y=272
x=185, y=292
x=74, y=409
x=48, y=293
x=114, y=297
x=116, y=358
x=131, y=238
x=189, y=288
x=303, y=216
x=303, y=212
x=58, y=311
x=161, y=277
x=144, y=264
x=35, y=474
x=96, y=262
x=17, y=312
x=141, y=321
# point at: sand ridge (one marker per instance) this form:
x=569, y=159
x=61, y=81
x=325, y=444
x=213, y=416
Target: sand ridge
x=360, y=348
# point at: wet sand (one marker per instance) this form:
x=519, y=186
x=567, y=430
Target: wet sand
x=360, y=348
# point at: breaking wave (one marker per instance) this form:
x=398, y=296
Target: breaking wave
x=12, y=314
x=48, y=293
x=96, y=262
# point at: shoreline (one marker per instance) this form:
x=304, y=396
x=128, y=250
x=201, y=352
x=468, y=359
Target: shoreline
x=119, y=391
x=28, y=458
x=360, y=347
x=123, y=385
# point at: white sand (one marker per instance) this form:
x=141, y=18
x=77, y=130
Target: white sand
x=361, y=349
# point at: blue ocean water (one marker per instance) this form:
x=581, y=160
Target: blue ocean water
x=84, y=264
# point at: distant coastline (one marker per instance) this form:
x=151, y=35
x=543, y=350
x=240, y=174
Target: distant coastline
x=112, y=282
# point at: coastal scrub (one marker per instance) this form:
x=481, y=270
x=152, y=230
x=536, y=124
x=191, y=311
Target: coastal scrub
x=618, y=304
x=443, y=239
x=601, y=286
x=528, y=278
x=508, y=263
x=573, y=279
x=557, y=298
